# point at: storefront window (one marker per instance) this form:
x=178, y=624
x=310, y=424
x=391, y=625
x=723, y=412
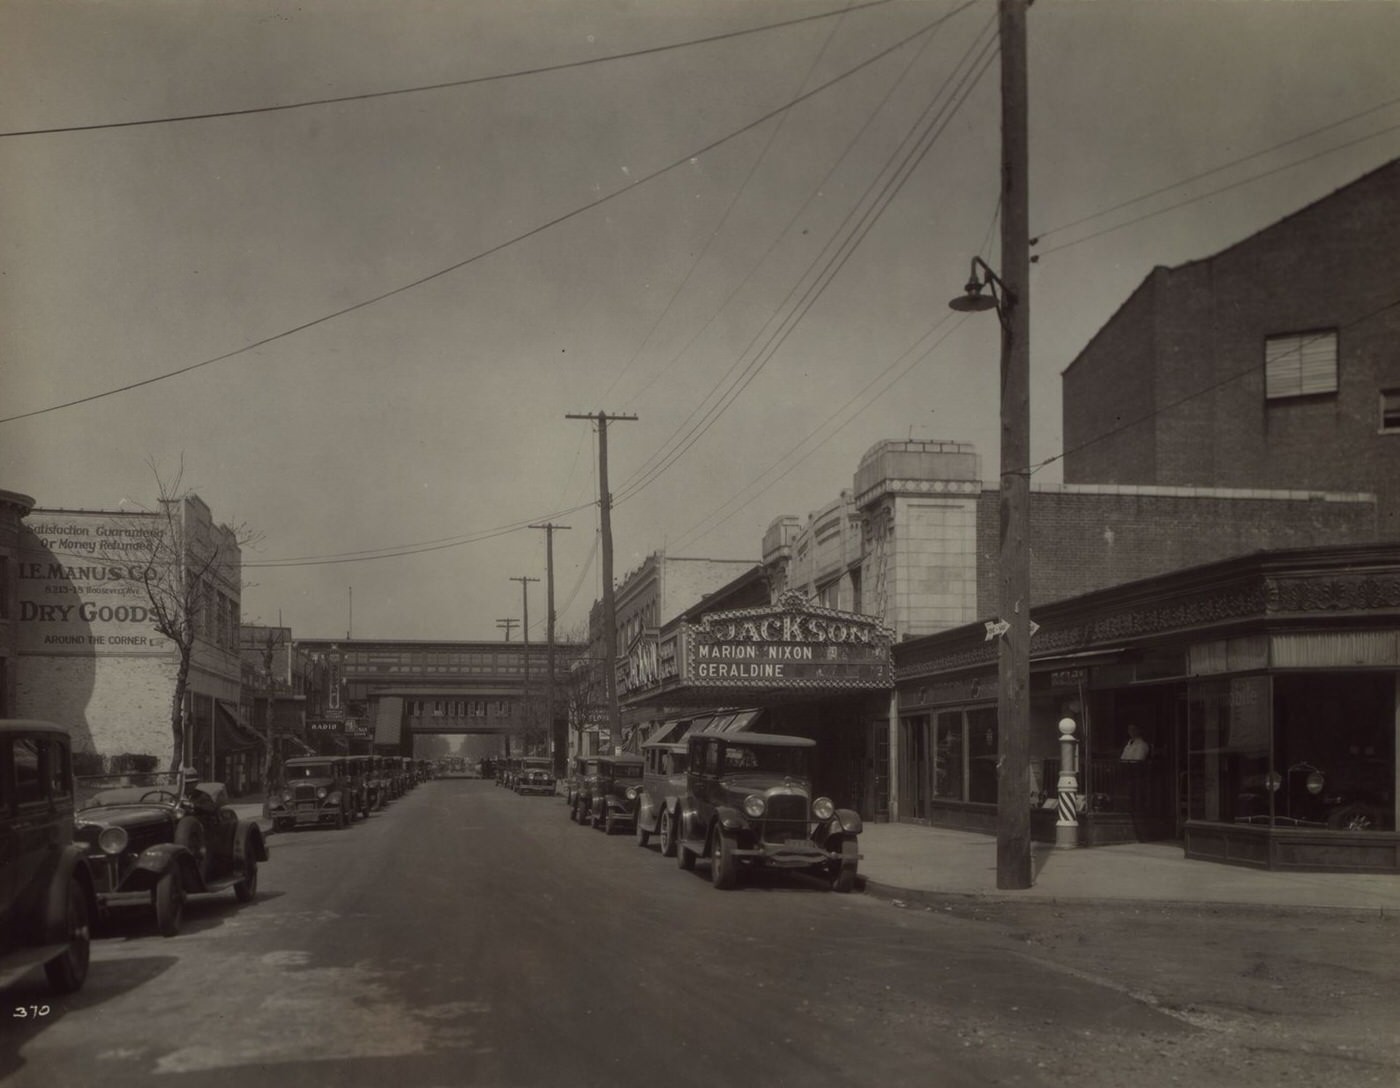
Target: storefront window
x=1228, y=749
x=948, y=770
x=982, y=755
x=1334, y=751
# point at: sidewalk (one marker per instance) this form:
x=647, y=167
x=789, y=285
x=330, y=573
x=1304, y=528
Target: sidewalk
x=912, y=863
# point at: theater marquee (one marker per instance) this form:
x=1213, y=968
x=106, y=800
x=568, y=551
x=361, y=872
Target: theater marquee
x=790, y=645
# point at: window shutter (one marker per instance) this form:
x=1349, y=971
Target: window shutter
x=1300, y=364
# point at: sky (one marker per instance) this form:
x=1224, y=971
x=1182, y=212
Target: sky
x=356, y=328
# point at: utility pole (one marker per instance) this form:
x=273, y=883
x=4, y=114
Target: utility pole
x=609, y=603
x=508, y=625
x=1014, y=563
x=558, y=740
x=525, y=634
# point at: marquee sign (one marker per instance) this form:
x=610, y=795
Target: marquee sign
x=791, y=645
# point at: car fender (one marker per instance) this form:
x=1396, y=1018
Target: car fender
x=731, y=819
x=844, y=822
x=72, y=865
x=248, y=843
x=332, y=799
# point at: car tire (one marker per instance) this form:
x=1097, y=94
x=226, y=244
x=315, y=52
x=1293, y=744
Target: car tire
x=609, y=823
x=724, y=866
x=643, y=835
x=189, y=833
x=668, y=834
x=685, y=859
x=246, y=889
x=339, y=818
x=66, y=973
x=844, y=878
x=168, y=898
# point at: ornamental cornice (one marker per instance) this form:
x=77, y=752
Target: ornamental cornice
x=954, y=488
x=1358, y=592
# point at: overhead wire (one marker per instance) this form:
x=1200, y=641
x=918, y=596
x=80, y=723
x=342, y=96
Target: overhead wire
x=363, y=96
x=490, y=250
x=739, y=191
x=845, y=244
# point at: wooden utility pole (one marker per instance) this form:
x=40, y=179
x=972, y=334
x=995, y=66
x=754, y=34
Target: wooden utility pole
x=525, y=581
x=558, y=740
x=609, y=602
x=508, y=625
x=1014, y=567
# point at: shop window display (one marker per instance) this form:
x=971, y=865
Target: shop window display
x=1228, y=747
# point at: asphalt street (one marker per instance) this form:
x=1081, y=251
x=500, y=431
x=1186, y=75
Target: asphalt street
x=469, y=936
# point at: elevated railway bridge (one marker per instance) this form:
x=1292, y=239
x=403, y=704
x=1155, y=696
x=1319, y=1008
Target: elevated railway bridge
x=395, y=689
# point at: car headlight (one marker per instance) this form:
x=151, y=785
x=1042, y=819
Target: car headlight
x=321, y=794
x=287, y=798
x=631, y=793
x=823, y=809
x=754, y=806
x=112, y=840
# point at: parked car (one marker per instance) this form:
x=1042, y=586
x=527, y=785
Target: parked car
x=47, y=901
x=580, y=787
x=163, y=836
x=663, y=786
x=581, y=770
x=368, y=773
x=357, y=778
x=536, y=775
x=506, y=771
x=748, y=804
x=316, y=792
x=1349, y=795
x=612, y=802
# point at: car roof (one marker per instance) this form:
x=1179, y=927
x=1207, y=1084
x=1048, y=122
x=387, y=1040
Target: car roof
x=769, y=740
x=672, y=745
x=625, y=757
x=311, y=759
x=31, y=725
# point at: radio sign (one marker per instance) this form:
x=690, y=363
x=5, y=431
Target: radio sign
x=324, y=725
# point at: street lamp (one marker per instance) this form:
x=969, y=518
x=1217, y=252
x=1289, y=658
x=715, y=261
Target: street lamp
x=1008, y=297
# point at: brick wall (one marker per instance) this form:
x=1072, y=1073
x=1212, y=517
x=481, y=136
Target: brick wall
x=112, y=705
x=1196, y=335
x=1086, y=538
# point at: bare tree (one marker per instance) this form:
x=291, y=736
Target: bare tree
x=183, y=565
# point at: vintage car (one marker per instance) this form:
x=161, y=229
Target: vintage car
x=581, y=772
x=663, y=786
x=162, y=836
x=1349, y=795
x=505, y=772
x=316, y=791
x=536, y=775
x=748, y=803
x=612, y=800
x=357, y=777
x=46, y=890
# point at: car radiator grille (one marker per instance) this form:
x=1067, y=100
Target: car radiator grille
x=786, y=819
x=305, y=793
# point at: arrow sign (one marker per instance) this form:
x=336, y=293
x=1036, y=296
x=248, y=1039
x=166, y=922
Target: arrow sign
x=995, y=629
x=1034, y=628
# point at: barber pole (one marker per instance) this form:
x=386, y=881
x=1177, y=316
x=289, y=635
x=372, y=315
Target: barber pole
x=1067, y=826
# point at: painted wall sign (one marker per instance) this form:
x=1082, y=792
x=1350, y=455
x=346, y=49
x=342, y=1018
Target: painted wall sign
x=80, y=590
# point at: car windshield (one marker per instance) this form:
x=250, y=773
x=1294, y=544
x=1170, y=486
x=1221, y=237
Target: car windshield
x=627, y=770
x=310, y=770
x=764, y=759
x=96, y=791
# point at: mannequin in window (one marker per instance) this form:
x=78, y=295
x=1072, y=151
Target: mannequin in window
x=1137, y=749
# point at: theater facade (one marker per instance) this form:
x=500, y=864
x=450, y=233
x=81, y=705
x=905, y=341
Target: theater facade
x=790, y=667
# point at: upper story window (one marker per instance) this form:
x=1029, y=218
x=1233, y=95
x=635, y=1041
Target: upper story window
x=1390, y=411
x=1300, y=364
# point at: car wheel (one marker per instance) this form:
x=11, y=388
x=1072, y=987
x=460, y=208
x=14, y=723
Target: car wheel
x=668, y=834
x=724, y=866
x=643, y=835
x=844, y=879
x=685, y=859
x=247, y=888
x=339, y=818
x=189, y=833
x=67, y=972
x=168, y=897
x=594, y=819
x=609, y=824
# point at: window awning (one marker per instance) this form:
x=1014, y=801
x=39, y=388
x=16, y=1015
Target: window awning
x=229, y=734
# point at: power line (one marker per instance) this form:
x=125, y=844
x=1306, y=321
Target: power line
x=489, y=251
x=845, y=247
x=450, y=84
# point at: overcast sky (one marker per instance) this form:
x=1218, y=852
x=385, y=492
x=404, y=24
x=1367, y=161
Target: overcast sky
x=399, y=298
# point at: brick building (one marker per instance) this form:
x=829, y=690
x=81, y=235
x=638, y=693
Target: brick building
x=14, y=507
x=1272, y=364
x=87, y=652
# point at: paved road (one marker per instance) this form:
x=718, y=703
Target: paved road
x=467, y=936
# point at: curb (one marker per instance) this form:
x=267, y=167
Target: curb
x=923, y=897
